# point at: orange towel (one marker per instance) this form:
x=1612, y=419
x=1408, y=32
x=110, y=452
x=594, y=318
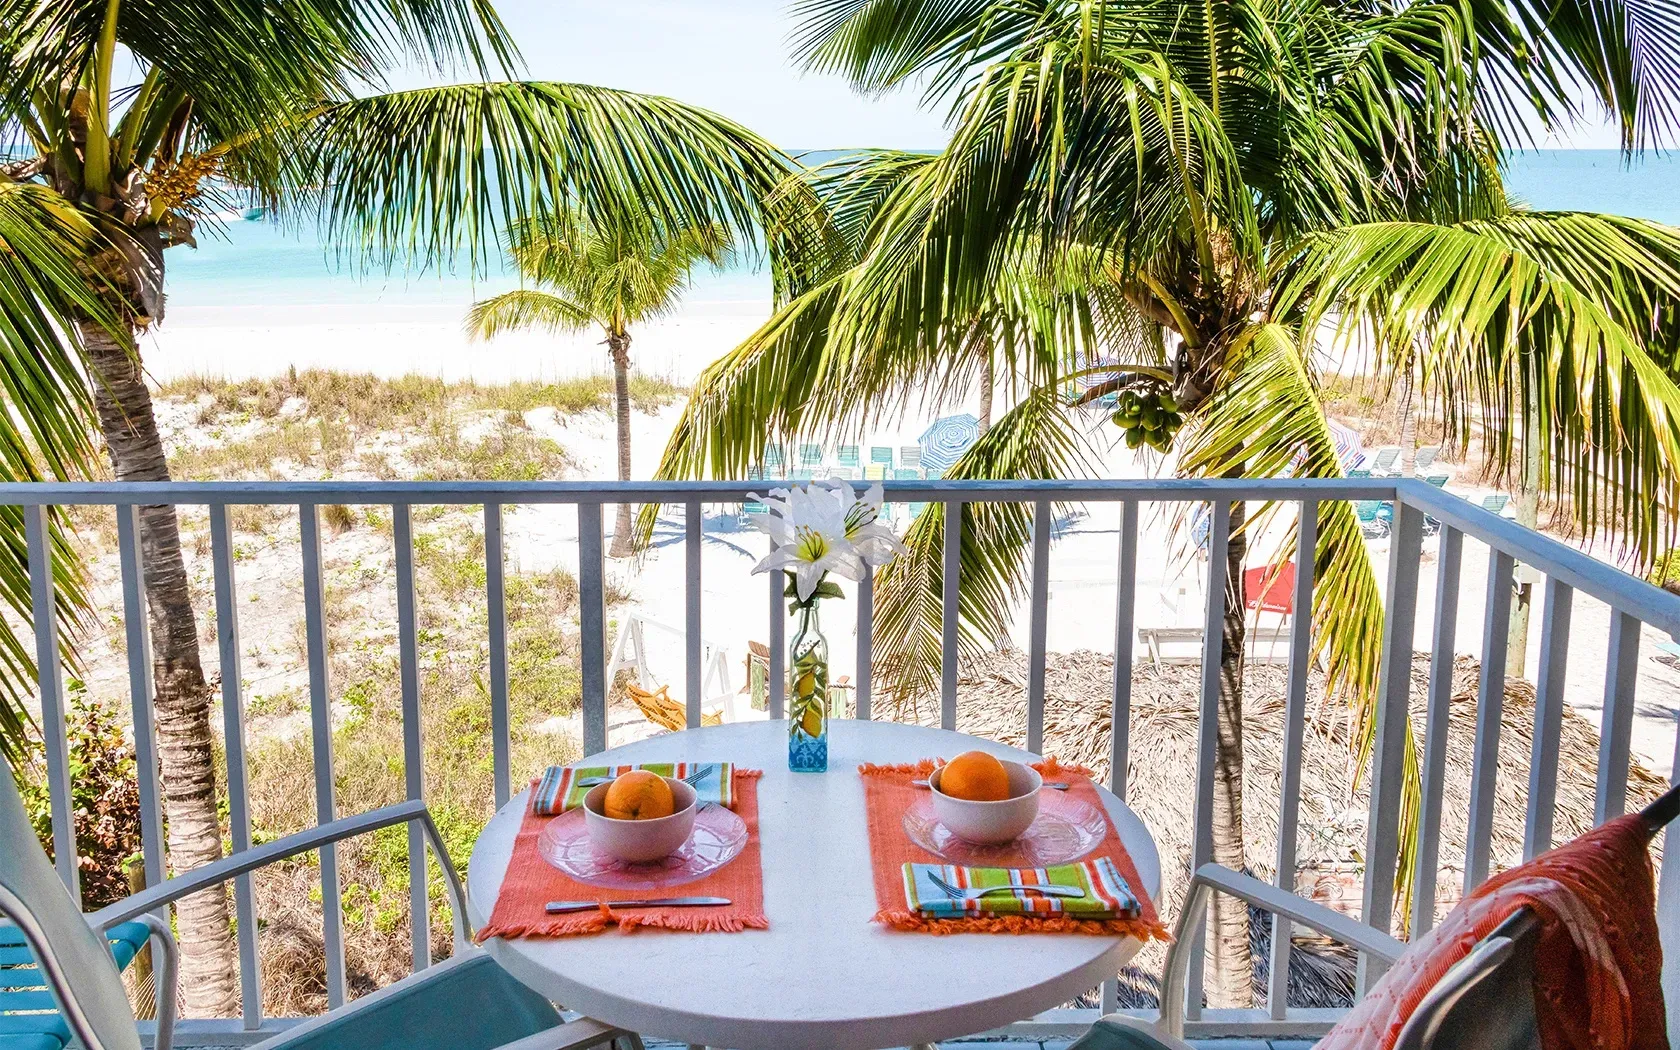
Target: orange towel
x=1598, y=978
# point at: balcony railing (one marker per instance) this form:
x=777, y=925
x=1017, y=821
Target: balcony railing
x=1633, y=603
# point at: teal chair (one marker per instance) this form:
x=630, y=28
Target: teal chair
x=810, y=456
x=849, y=457
x=775, y=465
x=881, y=456
x=467, y=1002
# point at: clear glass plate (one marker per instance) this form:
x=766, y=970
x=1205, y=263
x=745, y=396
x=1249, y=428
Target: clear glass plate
x=1065, y=830
x=718, y=838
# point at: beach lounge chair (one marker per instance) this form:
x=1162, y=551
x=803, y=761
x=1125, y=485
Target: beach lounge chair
x=1488, y=998
x=875, y=472
x=910, y=456
x=1359, y=472
x=848, y=456
x=1386, y=460
x=466, y=1002
x=811, y=455
x=1438, y=480
x=1376, y=516
x=775, y=463
x=881, y=455
x=1425, y=458
x=659, y=708
x=1495, y=504
x=843, y=473
x=906, y=474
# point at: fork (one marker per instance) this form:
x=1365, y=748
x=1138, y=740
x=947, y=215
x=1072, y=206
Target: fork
x=975, y=894
x=692, y=780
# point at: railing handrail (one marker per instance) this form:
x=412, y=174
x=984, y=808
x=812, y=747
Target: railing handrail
x=1604, y=581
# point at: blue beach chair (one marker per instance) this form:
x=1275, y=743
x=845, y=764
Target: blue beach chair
x=881, y=456
x=848, y=456
x=910, y=457
x=810, y=456
x=466, y=1002
x=775, y=465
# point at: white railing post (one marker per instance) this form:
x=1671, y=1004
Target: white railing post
x=1039, y=616
x=495, y=610
x=592, y=620
x=778, y=646
x=865, y=644
x=49, y=675
x=138, y=636
x=1615, y=742
x=321, y=731
x=1490, y=709
x=1207, y=733
x=692, y=537
x=233, y=736
x=950, y=614
x=1439, y=713
x=1548, y=718
x=1294, y=729
x=1382, y=839
x=414, y=752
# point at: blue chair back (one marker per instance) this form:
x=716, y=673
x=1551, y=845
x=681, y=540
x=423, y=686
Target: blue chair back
x=80, y=972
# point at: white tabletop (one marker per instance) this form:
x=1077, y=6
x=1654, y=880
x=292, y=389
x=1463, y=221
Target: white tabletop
x=823, y=975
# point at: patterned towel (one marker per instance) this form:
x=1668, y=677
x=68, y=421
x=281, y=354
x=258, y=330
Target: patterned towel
x=1107, y=893
x=559, y=789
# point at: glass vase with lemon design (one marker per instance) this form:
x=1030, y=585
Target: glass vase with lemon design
x=808, y=693
x=816, y=529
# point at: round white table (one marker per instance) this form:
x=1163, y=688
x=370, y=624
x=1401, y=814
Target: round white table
x=823, y=975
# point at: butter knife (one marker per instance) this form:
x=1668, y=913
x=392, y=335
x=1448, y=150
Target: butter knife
x=562, y=907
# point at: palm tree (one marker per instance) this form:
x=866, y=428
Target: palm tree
x=287, y=104
x=612, y=275
x=1191, y=190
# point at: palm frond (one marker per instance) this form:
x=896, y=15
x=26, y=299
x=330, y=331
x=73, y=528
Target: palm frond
x=521, y=309
x=45, y=433
x=1535, y=321
x=1035, y=439
x=435, y=174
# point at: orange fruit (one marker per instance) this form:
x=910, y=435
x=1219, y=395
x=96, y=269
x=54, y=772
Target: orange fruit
x=976, y=777
x=638, y=795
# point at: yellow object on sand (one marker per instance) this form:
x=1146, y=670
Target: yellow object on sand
x=662, y=711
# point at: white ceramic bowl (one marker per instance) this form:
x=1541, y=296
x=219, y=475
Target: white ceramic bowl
x=638, y=841
x=991, y=823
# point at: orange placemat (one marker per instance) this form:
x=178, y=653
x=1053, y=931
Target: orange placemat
x=888, y=792
x=532, y=882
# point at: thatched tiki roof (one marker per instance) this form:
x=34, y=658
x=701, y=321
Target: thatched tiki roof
x=1078, y=695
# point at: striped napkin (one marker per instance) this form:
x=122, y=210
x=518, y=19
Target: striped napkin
x=559, y=790
x=1107, y=893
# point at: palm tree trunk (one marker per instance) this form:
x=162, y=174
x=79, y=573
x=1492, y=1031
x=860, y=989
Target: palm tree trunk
x=1233, y=969
x=1408, y=426
x=182, y=696
x=619, y=346
x=988, y=379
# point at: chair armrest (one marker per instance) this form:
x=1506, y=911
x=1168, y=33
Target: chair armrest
x=573, y=1035
x=245, y=861
x=166, y=974
x=1211, y=878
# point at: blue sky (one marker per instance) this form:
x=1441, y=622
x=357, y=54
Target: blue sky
x=731, y=56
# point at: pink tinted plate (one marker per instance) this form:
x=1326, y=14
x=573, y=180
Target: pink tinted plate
x=1065, y=830
x=719, y=836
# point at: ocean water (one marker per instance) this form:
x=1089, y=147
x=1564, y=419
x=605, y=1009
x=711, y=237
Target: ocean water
x=249, y=265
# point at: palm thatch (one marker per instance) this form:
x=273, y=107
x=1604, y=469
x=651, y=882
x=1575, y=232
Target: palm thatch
x=1078, y=697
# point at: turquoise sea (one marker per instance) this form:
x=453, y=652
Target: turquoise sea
x=258, y=264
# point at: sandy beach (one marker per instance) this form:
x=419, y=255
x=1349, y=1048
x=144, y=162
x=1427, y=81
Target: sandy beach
x=404, y=338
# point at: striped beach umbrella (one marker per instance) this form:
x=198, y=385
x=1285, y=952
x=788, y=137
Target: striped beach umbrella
x=947, y=439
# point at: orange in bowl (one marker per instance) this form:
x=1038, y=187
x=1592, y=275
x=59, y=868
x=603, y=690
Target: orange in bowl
x=975, y=776
x=638, y=795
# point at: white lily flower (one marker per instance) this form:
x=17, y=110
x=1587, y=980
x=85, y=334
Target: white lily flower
x=822, y=528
